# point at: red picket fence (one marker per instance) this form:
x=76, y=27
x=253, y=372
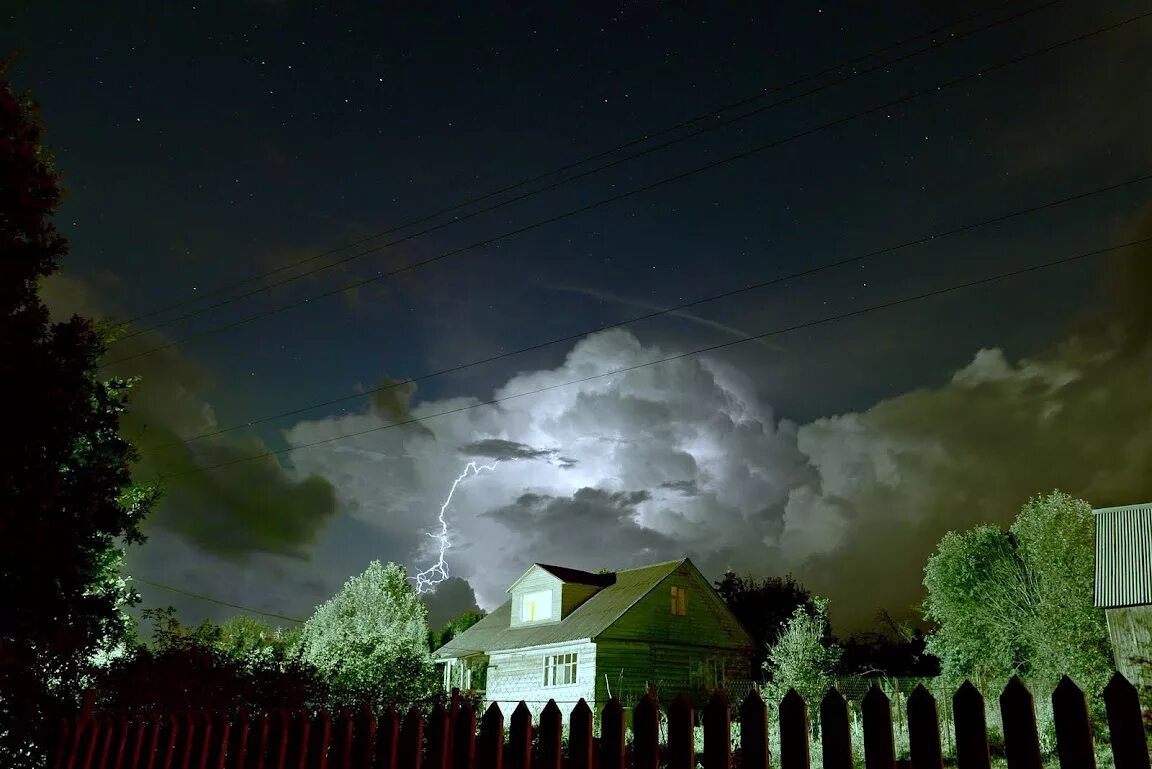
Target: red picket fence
x=448, y=738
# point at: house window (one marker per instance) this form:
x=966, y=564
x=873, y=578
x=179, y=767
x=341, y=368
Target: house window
x=536, y=606
x=560, y=669
x=679, y=601
x=708, y=674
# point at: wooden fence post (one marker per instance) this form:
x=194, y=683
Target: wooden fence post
x=1021, y=741
x=384, y=743
x=203, y=740
x=879, y=748
x=794, y=732
x=835, y=733
x=464, y=736
x=437, y=738
x=237, y=745
x=490, y=750
x=612, y=735
x=107, y=725
x=320, y=740
x=580, y=736
x=971, y=728
x=924, y=730
x=91, y=739
x=340, y=752
x=1073, y=728
x=520, y=738
x=551, y=736
x=681, y=734
x=153, y=741
x=221, y=739
x=260, y=739
x=409, y=754
x=718, y=732
x=753, y=732
x=170, y=737
x=1126, y=724
x=646, y=733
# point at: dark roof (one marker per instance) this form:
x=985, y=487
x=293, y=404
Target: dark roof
x=1123, y=556
x=564, y=574
x=588, y=620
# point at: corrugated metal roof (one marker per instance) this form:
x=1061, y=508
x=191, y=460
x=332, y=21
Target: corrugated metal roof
x=1123, y=556
x=594, y=616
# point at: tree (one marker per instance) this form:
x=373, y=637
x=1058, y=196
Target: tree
x=69, y=503
x=802, y=658
x=1020, y=603
x=453, y=628
x=370, y=641
x=894, y=649
x=763, y=607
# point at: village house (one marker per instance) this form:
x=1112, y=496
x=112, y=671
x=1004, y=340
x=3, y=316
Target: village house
x=565, y=634
x=1123, y=586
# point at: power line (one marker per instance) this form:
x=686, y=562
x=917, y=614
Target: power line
x=210, y=599
x=666, y=311
x=714, y=113
x=678, y=356
x=644, y=188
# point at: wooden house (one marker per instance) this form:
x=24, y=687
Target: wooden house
x=1123, y=586
x=565, y=634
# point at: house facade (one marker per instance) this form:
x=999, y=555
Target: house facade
x=1123, y=586
x=567, y=635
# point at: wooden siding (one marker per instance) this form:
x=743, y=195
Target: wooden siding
x=519, y=675
x=536, y=579
x=1130, y=630
x=708, y=622
x=625, y=669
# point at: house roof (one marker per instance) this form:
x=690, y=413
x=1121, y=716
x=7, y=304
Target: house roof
x=564, y=574
x=590, y=619
x=1123, y=556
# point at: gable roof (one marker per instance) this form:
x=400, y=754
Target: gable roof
x=1123, y=556
x=590, y=619
x=564, y=574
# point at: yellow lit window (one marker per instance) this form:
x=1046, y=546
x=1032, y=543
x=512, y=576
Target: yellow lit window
x=679, y=601
x=536, y=606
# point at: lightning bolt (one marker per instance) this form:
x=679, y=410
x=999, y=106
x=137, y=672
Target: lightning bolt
x=427, y=580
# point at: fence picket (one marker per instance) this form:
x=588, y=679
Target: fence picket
x=409, y=754
x=612, y=735
x=879, y=747
x=464, y=736
x=221, y=739
x=91, y=739
x=154, y=742
x=580, y=736
x=520, y=738
x=106, y=726
x=437, y=738
x=717, y=732
x=681, y=737
x=971, y=728
x=753, y=732
x=120, y=749
x=201, y=747
x=1126, y=724
x=551, y=736
x=646, y=733
x=236, y=746
x=383, y=742
x=793, y=716
x=1073, y=728
x=1021, y=740
x=320, y=741
x=835, y=733
x=340, y=744
x=261, y=740
x=490, y=749
x=924, y=730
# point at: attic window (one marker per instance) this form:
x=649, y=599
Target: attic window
x=679, y=601
x=536, y=606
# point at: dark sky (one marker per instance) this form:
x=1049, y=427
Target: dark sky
x=202, y=144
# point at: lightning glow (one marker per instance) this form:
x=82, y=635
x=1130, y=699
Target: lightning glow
x=427, y=580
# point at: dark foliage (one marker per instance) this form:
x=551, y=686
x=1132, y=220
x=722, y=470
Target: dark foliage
x=453, y=628
x=763, y=607
x=893, y=650
x=68, y=503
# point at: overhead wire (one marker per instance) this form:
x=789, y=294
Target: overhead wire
x=646, y=187
x=210, y=599
x=711, y=114
x=678, y=356
x=760, y=284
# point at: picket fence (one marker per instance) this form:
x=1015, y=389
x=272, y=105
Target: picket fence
x=448, y=738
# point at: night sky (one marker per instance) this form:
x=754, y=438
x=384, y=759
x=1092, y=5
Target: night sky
x=202, y=145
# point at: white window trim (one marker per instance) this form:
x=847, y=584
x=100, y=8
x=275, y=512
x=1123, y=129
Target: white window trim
x=557, y=666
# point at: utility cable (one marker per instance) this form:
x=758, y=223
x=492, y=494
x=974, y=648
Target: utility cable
x=644, y=188
x=570, y=166
x=765, y=283
x=210, y=599
x=679, y=356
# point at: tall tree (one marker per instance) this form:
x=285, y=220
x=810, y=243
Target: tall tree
x=369, y=642
x=763, y=606
x=68, y=502
x=1020, y=602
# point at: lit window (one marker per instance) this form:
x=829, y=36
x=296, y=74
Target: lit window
x=679, y=601
x=536, y=606
x=560, y=669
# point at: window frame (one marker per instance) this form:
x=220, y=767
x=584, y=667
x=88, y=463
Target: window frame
x=525, y=603
x=566, y=664
x=679, y=596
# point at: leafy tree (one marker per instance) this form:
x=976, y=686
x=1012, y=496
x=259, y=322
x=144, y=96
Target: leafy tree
x=453, y=628
x=1020, y=602
x=895, y=649
x=69, y=504
x=763, y=607
x=802, y=658
x=370, y=641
